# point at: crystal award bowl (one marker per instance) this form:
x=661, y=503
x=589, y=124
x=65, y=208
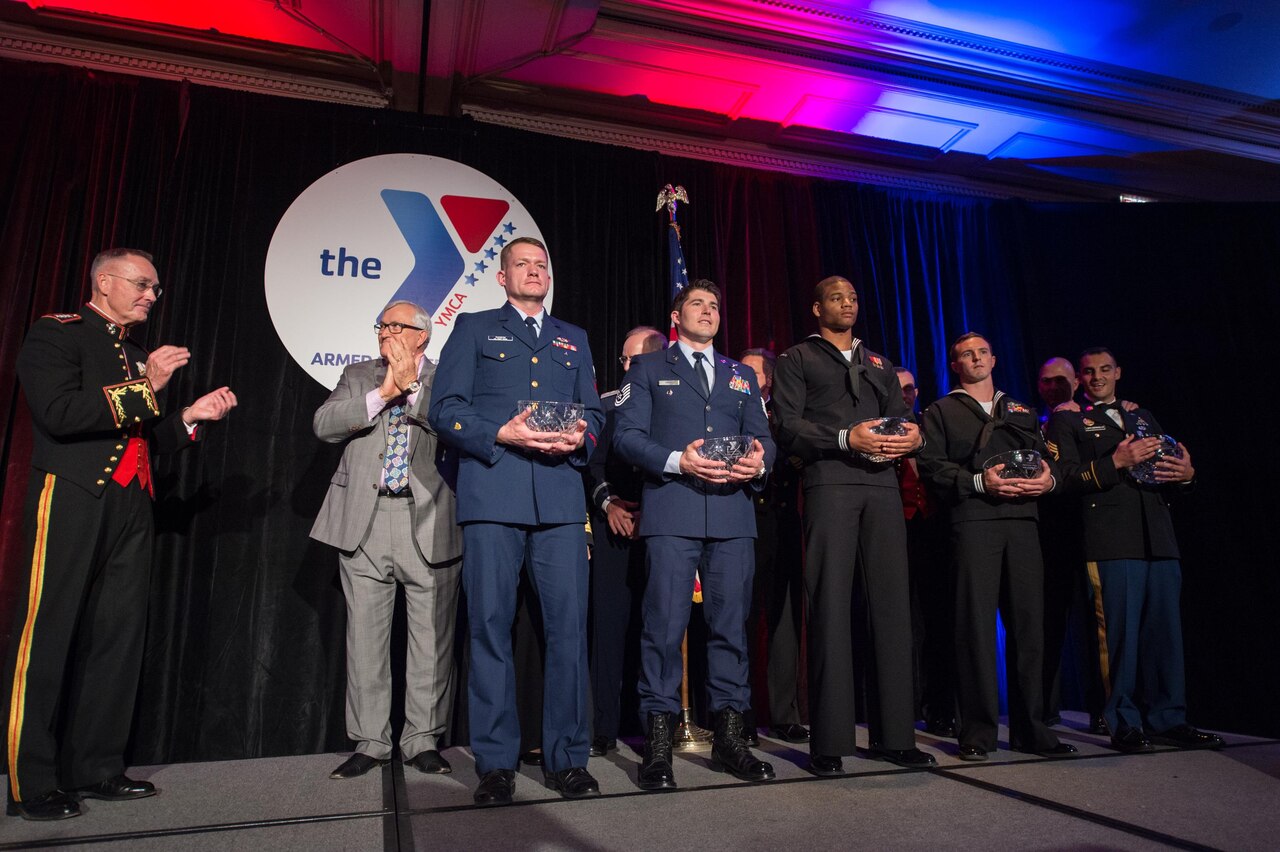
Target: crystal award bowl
x=1018, y=464
x=1145, y=472
x=883, y=426
x=548, y=416
x=728, y=449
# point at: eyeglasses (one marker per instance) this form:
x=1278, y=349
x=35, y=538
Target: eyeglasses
x=142, y=284
x=624, y=360
x=395, y=327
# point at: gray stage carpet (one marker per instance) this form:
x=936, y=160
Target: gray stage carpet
x=1100, y=799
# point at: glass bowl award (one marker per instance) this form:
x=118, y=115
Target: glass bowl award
x=549, y=416
x=1145, y=472
x=1018, y=464
x=883, y=426
x=728, y=449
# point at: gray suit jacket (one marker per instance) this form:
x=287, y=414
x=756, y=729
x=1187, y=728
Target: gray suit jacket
x=348, y=508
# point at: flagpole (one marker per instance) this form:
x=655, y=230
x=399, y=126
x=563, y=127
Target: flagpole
x=687, y=736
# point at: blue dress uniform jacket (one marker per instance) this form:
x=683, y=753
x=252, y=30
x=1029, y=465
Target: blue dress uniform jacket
x=488, y=365
x=661, y=409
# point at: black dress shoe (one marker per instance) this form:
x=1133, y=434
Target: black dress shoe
x=355, y=766
x=532, y=757
x=1098, y=725
x=1131, y=741
x=971, y=753
x=573, y=783
x=496, y=788
x=118, y=789
x=48, y=806
x=730, y=754
x=911, y=758
x=826, y=765
x=1185, y=736
x=431, y=762
x=655, y=771
x=941, y=727
x=1060, y=750
x=600, y=746
x=791, y=733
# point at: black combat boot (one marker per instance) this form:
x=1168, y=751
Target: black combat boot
x=730, y=754
x=655, y=772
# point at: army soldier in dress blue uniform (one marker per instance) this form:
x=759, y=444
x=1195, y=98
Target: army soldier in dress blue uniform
x=520, y=504
x=995, y=549
x=1133, y=560
x=696, y=511
x=76, y=653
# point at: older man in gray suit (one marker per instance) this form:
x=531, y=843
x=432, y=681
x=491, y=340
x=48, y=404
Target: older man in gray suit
x=390, y=512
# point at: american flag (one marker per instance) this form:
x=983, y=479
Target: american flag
x=679, y=276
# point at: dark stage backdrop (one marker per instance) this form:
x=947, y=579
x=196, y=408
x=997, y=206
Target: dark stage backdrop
x=245, y=641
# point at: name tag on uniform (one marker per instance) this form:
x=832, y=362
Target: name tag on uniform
x=500, y=337
x=662, y=383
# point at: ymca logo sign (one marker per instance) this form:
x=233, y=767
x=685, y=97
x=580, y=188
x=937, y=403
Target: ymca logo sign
x=397, y=226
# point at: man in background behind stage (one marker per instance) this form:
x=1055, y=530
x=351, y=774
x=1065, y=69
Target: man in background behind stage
x=76, y=653
x=778, y=594
x=617, y=566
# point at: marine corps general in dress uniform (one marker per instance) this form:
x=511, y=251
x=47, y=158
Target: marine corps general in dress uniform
x=76, y=653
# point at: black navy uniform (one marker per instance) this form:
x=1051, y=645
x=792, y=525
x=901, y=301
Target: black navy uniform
x=852, y=516
x=996, y=553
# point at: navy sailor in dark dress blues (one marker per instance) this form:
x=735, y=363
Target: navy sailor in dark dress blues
x=1133, y=559
x=853, y=525
x=995, y=549
x=76, y=653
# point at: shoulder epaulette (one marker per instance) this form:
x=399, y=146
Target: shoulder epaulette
x=63, y=318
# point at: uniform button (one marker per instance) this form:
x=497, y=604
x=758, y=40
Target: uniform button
x=117, y=345
x=534, y=383
x=379, y=455
x=568, y=363
x=137, y=419
x=375, y=487
x=708, y=428
x=106, y=470
x=502, y=354
x=102, y=482
x=708, y=408
x=114, y=458
x=119, y=446
x=534, y=359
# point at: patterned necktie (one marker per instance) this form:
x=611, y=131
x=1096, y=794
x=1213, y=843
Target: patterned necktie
x=698, y=358
x=396, y=463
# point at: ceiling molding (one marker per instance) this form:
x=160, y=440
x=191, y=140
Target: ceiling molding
x=296, y=73
x=748, y=156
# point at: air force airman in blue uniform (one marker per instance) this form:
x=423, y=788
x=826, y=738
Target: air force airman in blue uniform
x=695, y=511
x=520, y=505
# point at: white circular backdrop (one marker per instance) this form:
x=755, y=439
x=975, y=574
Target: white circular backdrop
x=397, y=226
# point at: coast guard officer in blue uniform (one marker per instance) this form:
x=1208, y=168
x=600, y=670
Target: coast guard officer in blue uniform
x=695, y=510
x=520, y=504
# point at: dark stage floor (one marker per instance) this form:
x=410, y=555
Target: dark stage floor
x=1228, y=799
